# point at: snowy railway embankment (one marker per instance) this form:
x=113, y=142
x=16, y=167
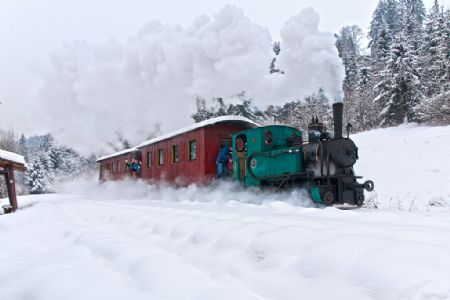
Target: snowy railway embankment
x=135, y=241
x=409, y=164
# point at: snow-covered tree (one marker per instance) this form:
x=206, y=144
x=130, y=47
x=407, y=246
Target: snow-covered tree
x=246, y=108
x=8, y=140
x=395, y=40
x=209, y=109
x=435, y=52
x=37, y=178
x=348, y=43
x=435, y=57
x=49, y=162
x=413, y=15
x=358, y=109
x=386, y=18
x=398, y=90
x=216, y=107
x=361, y=112
x=300, y=112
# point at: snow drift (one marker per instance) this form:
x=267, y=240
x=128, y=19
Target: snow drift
x=72, y=247
x=130, y=240
x=409, y=164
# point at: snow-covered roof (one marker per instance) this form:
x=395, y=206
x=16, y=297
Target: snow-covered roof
x=181, y=131
x=196, y=126
x=12, y=157
x=116, y=154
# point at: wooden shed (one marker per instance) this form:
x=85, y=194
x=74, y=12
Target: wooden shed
x=186, y=156
x=10, y=162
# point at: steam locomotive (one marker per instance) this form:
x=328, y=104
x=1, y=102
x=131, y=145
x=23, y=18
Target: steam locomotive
x=276, y=156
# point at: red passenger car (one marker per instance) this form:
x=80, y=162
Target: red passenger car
x=114, y=166
x=185, y=156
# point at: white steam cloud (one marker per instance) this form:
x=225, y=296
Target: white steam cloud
x=92, y=91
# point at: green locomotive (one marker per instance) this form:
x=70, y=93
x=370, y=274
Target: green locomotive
x=277, y=156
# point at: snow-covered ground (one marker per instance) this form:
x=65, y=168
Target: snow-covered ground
x=130, y=240
x=409, y=164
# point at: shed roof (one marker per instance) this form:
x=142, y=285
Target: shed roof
x=10, y=158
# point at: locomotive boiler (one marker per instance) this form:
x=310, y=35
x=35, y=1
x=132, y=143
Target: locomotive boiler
x=277, y=156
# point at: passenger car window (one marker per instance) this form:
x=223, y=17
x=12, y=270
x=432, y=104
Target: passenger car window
x=192, y=150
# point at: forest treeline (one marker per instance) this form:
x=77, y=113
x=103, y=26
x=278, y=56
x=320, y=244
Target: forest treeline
x=47, y=162
x=403, y=75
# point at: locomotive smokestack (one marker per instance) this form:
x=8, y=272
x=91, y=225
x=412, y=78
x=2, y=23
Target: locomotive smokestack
x=338, y=111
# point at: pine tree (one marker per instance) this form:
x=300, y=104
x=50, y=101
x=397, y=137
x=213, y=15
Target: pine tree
x=37, y=177
x=399, y=87
x=358, y=82
x=8, y=140
x=376, y=25
x=293, y=114
x=203, y=112
x=393, y=16
x=23, y=147
x=318, y=105
x=348, y=44
x=386, y=18
x=382, y=83
x=300, y=112
x=435, y=55
x=413, y=14
x=395, y=62
x=246, y=108
x=435, y=52
x=217, y=107
x=361, y=112
x=48, y=163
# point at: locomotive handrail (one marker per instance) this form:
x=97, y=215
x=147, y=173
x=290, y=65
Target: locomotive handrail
x=321, y=157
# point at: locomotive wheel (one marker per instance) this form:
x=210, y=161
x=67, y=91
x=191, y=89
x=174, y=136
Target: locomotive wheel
x=328, y=198
x=369, y=185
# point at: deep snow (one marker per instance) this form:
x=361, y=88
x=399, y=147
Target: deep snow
x=130, y=240
x=68, y=247
x=409, y=164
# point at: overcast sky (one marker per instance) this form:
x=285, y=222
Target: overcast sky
x=29, y=29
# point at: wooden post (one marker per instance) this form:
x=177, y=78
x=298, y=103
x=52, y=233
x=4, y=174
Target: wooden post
x=10, y=184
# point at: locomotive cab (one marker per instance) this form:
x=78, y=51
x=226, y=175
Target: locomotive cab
x=269, y=155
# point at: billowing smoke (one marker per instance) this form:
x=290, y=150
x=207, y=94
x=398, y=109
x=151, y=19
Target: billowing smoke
x=92, y=92
x=309, y=58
